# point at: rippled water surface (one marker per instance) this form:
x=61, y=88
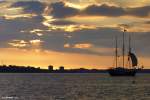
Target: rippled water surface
x=39, y=86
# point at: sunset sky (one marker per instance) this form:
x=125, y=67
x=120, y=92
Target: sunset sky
x=72, y=33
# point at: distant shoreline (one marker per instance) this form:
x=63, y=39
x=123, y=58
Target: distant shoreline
x=29, y=69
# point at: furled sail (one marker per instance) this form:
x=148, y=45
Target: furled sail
x=133, y=59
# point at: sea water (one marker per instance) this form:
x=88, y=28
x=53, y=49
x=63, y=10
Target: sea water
x=50, y=86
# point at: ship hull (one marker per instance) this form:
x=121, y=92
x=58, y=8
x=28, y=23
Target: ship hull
x=122, y=72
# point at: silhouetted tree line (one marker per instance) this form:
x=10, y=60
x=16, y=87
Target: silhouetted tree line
x=30, y=69
x=20, y=69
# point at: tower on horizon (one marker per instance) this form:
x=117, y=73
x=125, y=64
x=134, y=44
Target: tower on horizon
x=50, y=68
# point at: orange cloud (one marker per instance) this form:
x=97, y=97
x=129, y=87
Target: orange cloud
x=18, y=43
x=67, y=45
x=82, y=45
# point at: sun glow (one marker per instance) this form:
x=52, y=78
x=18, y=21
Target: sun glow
x=45, y=58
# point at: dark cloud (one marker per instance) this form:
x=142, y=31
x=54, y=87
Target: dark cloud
x=11, y=29
x=139, y=11
x=38, y=18
x=112, y=11
x=63, y=22
x=30, y=6
x=101, y=37
x=60, y=10
x=104, y=10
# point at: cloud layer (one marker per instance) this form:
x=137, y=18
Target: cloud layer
x=58, y=33
x=30, y=6
x=60, y=10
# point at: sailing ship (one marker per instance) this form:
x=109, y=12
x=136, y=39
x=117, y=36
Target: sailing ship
x=132, y=61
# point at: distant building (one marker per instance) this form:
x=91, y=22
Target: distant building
x=61, y=68
x=38, y=68
x=50, y=68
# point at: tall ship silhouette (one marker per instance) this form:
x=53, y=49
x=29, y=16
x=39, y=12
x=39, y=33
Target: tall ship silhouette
x=131, y=67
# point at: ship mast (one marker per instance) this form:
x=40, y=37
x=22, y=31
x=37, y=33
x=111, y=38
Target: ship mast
x=123, y=48
x=116, y=53
x=129, y=50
